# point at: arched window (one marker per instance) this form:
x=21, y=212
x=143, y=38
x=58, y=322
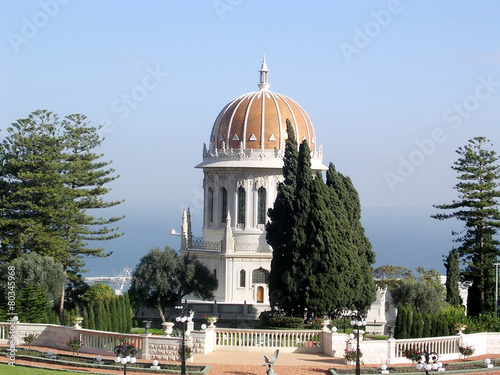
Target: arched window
x=243, y=276
x=210, y=205
x=241, y=205
x=224, y=205
x=261, y=206
x=260, y=276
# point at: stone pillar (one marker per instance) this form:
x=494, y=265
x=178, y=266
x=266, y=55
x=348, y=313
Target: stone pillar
x=391, y=350
x=145, y=347
x=190, y=326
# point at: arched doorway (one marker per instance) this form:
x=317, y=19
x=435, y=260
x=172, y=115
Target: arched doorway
x=260, y=294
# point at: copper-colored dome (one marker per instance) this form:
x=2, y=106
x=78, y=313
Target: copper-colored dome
x=257, y=120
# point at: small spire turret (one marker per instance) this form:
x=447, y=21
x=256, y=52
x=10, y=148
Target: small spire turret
x=263, y=85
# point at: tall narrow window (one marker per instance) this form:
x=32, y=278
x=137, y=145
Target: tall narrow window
x=241, y=205
x=261, y=206
x=210, y=205
x=224, y=205
x=243, y=276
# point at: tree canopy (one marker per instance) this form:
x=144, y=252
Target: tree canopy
x=163, y=278
x=452, y=265
x=51, y=185
x=321, y=258
x=477, y=207
x=425, y=293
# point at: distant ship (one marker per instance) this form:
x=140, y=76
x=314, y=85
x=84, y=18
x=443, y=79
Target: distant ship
x=174, y=233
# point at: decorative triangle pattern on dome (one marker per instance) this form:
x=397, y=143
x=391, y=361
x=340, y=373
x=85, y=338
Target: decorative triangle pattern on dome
x=235, y=137
x=252, y=138
x=272, y=138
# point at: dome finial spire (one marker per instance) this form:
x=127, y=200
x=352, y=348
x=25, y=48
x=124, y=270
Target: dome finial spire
x=263, y=85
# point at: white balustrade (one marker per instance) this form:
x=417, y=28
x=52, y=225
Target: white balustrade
x=107, y=340
x=441, y=345
x=248, y=338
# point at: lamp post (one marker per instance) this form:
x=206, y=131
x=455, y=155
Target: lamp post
x=125, y=353
x=430, y=362
x=496, y=288
x=184, y=318
x=357, y=321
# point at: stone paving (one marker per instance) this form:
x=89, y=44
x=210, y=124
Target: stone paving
x=252, y=363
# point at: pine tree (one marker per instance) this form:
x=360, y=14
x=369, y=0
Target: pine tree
x=33, y=305
x=477, y=207
x=453, y=279
x=53, y=163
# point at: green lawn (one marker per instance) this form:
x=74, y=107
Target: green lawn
x=21, y=370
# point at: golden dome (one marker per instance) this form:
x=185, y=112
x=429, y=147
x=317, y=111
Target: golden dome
x=257, y=120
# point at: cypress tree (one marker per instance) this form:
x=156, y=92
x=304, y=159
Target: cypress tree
x=101, y=316
x=434, y=326
x=417, y=327
x=282, y=283
x=107, y=308
x=85, y=315
x=91, y=309
x=427, y=332
x=327, y=289
x=113, y=314
x=127, y=314
x=346, y=206
x=453, y=279
x=120, y=313
x=399, y=323
x=304, y=257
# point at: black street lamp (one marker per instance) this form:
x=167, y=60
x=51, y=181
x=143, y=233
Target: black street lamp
x=429, y=362
x=125, y=353
x=357, y=321
x=184, y=318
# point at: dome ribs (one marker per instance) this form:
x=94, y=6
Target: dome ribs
x=257, y=121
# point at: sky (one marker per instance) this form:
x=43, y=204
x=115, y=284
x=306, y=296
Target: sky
x=392, y=88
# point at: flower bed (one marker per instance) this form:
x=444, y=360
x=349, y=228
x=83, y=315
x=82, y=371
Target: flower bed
x=82, y=361
x=457, y=367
